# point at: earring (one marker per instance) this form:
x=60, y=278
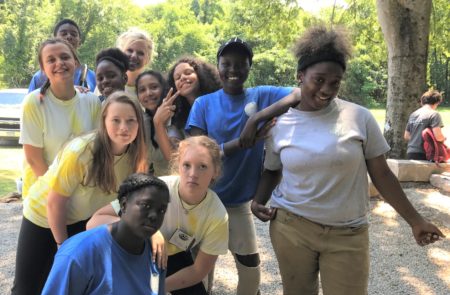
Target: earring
x=300, y=82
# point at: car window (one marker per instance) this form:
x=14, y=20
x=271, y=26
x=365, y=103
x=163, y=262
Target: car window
x=11, y=98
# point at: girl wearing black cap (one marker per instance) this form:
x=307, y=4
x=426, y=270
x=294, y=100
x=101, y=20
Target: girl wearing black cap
x=222, y=116
x=319, y=154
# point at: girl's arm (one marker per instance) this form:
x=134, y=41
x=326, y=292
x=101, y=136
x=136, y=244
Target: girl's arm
x=249, y=134
x=437, y=131
x=193, y=274
x=104, y=215
x=164, y=112
x=56, y=214
x=387, y=184
x=35, y=158
x=269, y=180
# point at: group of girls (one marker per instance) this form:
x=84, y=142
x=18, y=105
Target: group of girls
x=79, y=149
x=139, y=132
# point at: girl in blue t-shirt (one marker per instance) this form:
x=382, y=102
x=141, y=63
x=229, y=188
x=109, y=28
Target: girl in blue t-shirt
x=116, y=258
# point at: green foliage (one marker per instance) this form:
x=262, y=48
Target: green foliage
x=198, y=27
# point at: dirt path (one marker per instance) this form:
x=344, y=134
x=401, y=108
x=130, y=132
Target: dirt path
x=398, y=265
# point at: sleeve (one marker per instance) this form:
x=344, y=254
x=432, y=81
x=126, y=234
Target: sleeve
x=116, y=206
x=32, y=85
x=66, y=277
x=197, y=116
x=272, y=159
x=216, y=239
x=375, y=143
x=31, y=122
x=92, y=83
x=70, y=171
x=436, y=120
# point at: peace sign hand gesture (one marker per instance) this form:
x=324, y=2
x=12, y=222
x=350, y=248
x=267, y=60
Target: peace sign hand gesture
x=166, y=110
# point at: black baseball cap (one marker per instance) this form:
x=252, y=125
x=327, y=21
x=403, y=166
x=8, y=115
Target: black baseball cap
x=236, y=43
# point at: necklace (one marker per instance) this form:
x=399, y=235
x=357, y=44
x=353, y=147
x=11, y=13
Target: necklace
x=188, y=207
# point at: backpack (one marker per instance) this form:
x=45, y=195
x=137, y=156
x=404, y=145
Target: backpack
x=435, y=151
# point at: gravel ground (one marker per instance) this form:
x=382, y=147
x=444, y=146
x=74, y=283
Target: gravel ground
x=398, y=265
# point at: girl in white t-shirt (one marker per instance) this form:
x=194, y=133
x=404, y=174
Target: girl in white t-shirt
x=195, y=216
x=54, y=113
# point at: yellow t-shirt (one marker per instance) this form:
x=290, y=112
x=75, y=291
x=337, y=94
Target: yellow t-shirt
x=53, y=122
x=66, y=176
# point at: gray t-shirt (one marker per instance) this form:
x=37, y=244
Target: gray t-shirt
x=425, y=117
x=323, y=157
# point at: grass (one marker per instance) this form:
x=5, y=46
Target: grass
x=10, y=168
x=11, y=163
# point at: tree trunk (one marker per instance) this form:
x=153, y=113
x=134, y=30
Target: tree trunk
x=405, y=25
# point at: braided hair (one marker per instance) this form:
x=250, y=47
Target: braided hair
x=138, y=181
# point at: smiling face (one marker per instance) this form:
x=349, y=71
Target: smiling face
x=70, y=34
x=137, y=54
x=58, y=62
x=197, y=170
x=121, y=125
x=186, y=81
x=320, y=85
x=143, y=210
x=149, y=92
x=109, y=78
x=234, y=67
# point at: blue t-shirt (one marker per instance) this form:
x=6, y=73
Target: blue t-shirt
x=39, y=79
x=92, y=262
x=222, y=117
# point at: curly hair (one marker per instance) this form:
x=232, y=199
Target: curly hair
x=114, y=55
x=208, y=79
x=320, y=44
x=431, y=97
x=138, y=181
x=204, y=141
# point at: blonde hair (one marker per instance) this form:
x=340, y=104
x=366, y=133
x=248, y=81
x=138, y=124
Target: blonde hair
x=134, y=35
x=204, y=141
x=101, y=172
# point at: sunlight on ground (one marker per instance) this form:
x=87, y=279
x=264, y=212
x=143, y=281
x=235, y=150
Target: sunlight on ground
x=442, y=259
x=437, y=201
x=420, y=286
x=389, y=214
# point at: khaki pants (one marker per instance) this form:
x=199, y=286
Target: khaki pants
x=304, y=248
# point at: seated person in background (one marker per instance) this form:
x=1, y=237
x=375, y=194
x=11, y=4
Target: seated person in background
x=195, y=217
x=111, y=66
x=68, y=30
x=425, y=117
x=116, y=258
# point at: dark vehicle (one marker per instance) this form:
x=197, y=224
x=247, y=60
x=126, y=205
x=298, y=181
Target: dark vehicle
x=10, y=102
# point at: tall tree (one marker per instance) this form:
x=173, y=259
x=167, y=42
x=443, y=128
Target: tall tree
x=405, y=25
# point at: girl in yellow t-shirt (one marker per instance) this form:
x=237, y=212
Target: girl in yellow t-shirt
x=56, y=112
x=195, y=216
x=84, y=177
